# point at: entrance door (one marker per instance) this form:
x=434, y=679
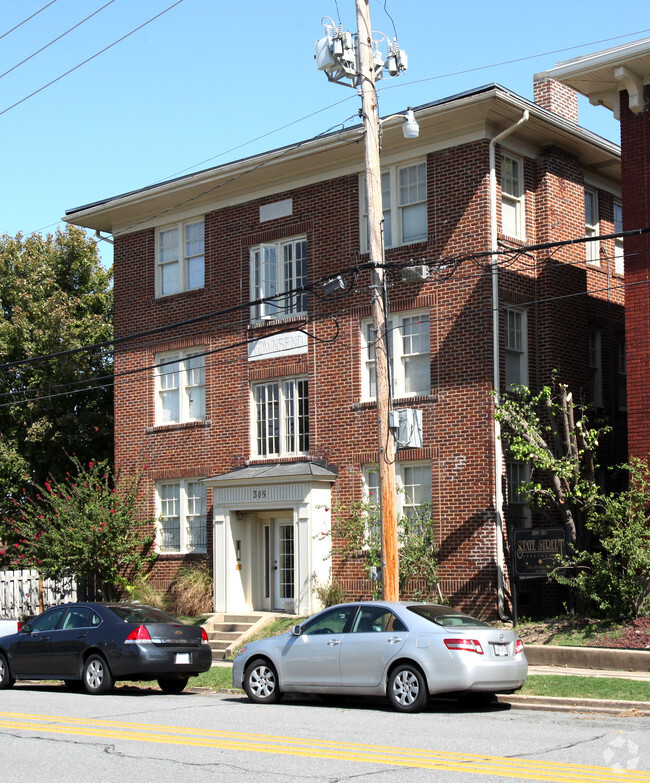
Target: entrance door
x=278, y=575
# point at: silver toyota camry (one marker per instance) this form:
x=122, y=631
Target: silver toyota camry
x=405, y=651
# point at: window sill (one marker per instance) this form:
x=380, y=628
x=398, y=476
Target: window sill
x=188, y=292
x=398, y=402
x=261, y=323
x=183, y=425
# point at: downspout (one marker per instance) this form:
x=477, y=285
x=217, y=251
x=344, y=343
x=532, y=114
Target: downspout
x=498, y=451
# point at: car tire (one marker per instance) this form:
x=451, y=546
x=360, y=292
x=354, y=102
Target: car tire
x=172, y=685
x=6, y=680
x=261, y=682
x=97, y=677
x=407, y=688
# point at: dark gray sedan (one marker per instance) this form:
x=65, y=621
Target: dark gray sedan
x=93, y=645
x=405, y=651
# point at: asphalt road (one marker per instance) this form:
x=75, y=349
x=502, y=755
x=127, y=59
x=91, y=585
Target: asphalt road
x=49, y=734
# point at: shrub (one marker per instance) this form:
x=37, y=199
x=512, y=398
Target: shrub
x=191, y=591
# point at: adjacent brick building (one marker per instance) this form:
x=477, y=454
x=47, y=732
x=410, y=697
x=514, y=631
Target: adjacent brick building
x=248, y=390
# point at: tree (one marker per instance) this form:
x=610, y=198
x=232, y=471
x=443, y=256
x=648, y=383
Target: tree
x=55, y=296
x=84, y=526
x=548, y=431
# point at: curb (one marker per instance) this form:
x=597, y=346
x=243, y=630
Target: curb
x=640, y=709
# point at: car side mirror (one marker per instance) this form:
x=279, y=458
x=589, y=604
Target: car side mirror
x=296, y=630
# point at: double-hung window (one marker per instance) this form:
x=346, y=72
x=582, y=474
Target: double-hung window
x=181, y=516
x=278, y=275
x=413, y=484
x=516, y=347
x=180, y=260
x=512, y=197
x=180, y=386
x=592, y=249
x=619, y=257
x=595, y=368
x=404, y=204
x=409, y=351
x=281, y=418
x=518, y=473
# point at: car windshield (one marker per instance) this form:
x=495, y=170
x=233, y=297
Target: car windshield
x=445, y=615
x=142, y=614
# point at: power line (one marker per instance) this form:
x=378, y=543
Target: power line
x=92, y=57
x=54, y=40
x=36, y=13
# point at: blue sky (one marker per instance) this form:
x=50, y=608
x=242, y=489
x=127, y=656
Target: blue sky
x=211, y=81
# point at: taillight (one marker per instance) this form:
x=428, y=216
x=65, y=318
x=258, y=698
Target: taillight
x=519, y=647
x=20, y=625
x=469, y=645
x=204, y=636
x=138, y=635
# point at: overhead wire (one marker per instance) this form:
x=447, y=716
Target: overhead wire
x=36, y=13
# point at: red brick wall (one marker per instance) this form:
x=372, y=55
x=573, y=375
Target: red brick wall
x=457, y=416
x=635, y=165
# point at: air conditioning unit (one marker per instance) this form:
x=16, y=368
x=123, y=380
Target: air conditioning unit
x=406, y=424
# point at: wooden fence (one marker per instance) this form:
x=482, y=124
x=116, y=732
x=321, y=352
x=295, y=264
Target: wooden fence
x=24, y=593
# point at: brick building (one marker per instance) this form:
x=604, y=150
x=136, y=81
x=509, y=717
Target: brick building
x=248, y=391
x=619, y=78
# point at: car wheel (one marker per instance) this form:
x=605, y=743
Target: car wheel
x=171, y=685
x=407, y=690
x=6, y=680
x=97, y=676
x=261, y=682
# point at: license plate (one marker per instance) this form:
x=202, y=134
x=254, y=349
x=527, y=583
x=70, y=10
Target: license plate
x=182, y=658
x=501, y=649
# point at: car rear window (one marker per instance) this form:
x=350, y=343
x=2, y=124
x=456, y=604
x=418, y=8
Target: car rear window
x=445, y=615
x=142, y=614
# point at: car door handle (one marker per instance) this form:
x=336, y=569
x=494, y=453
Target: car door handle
x=81, y=636
x=334, y=642
x=394, y=640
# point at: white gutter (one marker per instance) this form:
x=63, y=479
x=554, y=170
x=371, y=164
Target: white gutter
x=498, y=451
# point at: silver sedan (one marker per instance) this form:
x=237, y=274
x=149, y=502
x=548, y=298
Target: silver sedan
x=403, y=650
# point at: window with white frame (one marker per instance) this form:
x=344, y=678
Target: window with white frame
x=621, y=375
x=278, y=272
x=595, y=368
x=515, y=346
x=409, y=351
x=413, y=484
x=619, y=257
x=180, y=260
x=281, y=418
x=181, y=516
x=404, y=204
x=512, y=197
x=592, y=249
x=180, y=386
x=519, y=514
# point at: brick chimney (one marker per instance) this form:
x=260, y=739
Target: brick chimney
x=556, y=97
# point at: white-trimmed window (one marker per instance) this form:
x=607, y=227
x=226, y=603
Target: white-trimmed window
x=619, y=257
x=281, y=418
x=519, y=514
x=512, y=197
x=180, y=260
x=413, y=483
x=515, y=346
x=278, y=268
x=595, y=368
x=180, y=386
x=404, y=203
x=592, y=249
x=181, y=516
x=409, y=350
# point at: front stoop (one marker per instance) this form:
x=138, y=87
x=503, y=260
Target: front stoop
x=227, y=632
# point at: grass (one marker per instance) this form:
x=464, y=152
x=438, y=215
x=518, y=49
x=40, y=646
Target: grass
x=571, y=687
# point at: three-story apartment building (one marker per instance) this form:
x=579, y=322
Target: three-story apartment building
x=248, y=389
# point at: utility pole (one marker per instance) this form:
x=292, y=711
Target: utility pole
x=357, y=62
x=386, y=442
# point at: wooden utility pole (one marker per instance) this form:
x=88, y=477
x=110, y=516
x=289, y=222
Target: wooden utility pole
x=386, y=458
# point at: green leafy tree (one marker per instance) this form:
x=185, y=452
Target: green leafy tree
x=84, y=526
x=615, y=575
x=55, y=297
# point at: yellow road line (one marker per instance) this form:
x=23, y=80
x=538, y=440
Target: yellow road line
x=520, y=769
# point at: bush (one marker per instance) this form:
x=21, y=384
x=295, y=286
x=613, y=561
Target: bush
x=191, y=591
x=329, y=594
x=143, y=592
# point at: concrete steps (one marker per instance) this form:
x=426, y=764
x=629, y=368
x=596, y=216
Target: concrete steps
x=227, y=632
